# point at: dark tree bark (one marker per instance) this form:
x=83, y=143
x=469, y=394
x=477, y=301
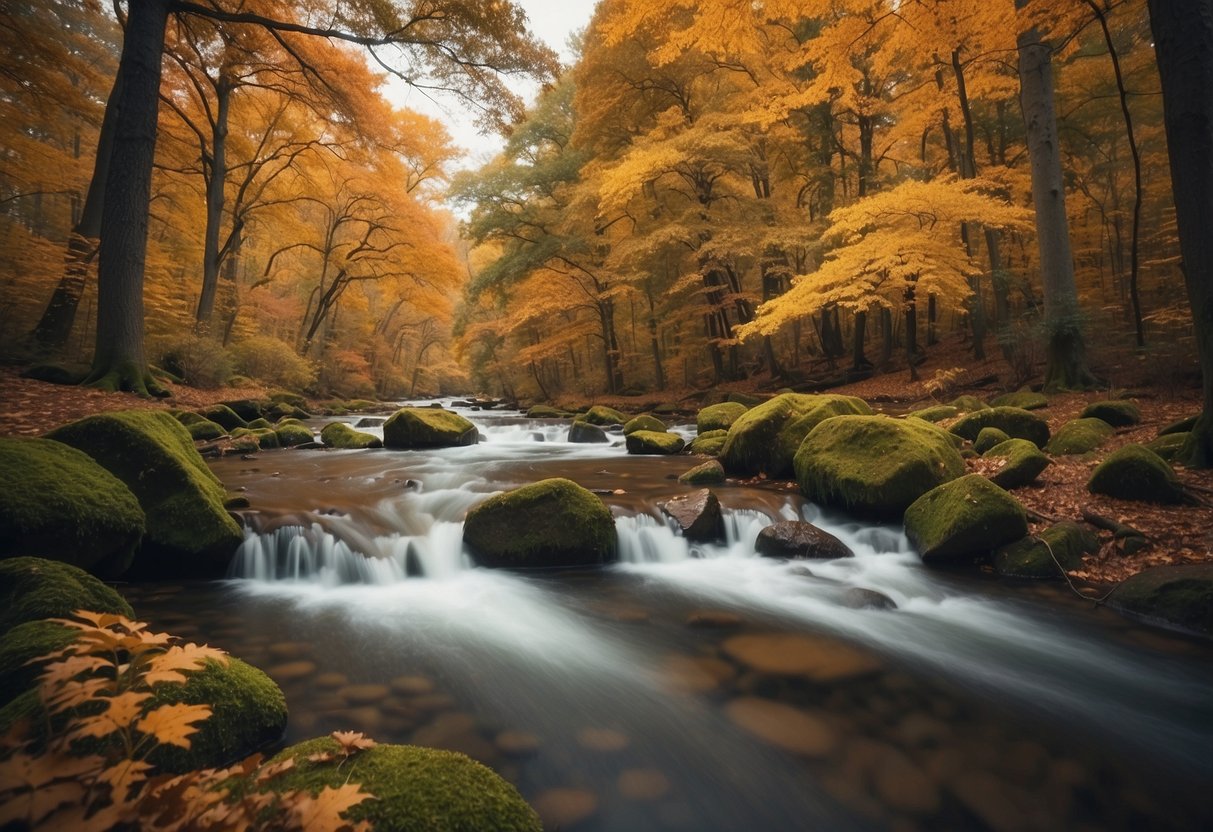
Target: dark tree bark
x=118, y=361
x=1183, y=42
x=216, y=179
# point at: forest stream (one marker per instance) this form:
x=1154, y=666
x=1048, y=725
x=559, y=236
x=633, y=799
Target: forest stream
x=693, y=686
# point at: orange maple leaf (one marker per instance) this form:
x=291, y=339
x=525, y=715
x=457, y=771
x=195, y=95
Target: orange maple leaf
x=169, y=665
x=352, y=742
x=173, y=724
x=322, y=813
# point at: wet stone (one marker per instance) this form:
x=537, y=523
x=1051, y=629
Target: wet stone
x=817, y=658
x=859, y=598
x=330, y=681
x=714, y=619
x=990, y=800
x=602, y=739
x=642, y=784
x=286, y=651
x=691, y=674
x=291, y=671
x=919, y=729
x=363, y=694
x=456, y=732
x=517, y=743
x=902, y=785
x=412, y=685
x=432, y=702
x=783, y=726
x=565, y=808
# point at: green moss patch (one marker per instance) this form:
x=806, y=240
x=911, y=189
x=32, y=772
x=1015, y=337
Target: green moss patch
x=416, y=789
x=246, y=409
x=711, y=444
x=33, y=588
x=1118, y=414
x=963, y=518
x=968, y=404
x=709, y=473
x=1168, y=445
x=874, y=465
x=654, y=443
x=341, y=435
x=1079, y=436
x=189, y=417
x=223, y=415
x=987, y=438
x=1023, y=399
x=936, y=413
x=57, y=502
x=718, y=416
x=1134, y=472
x=189, y=533
x=290, y=435
x=1024, y=463
x=644, y=422
x=764, y=439
x=20, y=648
x=1178, y=598
x=603, y=416
x=1181, y=426
x=1013, y=421
x=288, y=398
x=1038, y=556
x=553, y=522
x=427, y=427
x=205, y=430
x=745, y=399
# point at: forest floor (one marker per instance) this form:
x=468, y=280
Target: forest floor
x=1176, y=534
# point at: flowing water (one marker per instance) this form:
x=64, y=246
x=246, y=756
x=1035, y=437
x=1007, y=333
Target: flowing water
x=642, y=696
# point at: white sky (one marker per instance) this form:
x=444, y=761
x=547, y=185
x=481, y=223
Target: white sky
x=553, y=21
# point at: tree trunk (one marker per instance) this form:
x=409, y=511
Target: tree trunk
x=1183, y=43
x=912, y=333
x=1065, y=350
x=118, y=360
x=655, y=343
x=859, y=361
x=886, y=338
x=215, y=182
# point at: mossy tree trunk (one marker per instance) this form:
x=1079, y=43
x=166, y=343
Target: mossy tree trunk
x=118, y=361
x=1183, y=42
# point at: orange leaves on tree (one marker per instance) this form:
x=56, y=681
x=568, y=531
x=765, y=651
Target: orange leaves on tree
x=171, y=665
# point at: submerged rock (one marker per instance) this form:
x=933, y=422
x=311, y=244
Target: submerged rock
x=966, y=517
x=554, y=522
x=423, y=427
x=1134, y=472
x=341, y=435
x=654, y=443
x=1079, y=436
x=1024, y=463
x=583, y=432
x=59, y=503
x=783, y=726
x=874, y=465
x=1178, y=598
x=796, y=539
x=1038, y=556
x=189, y=532
x=1013, y=421
x=818, y=658
x=718, y=416
x=698, y=515
x=565, y=808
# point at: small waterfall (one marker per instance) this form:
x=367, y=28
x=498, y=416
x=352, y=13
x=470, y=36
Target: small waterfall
x=643, y=538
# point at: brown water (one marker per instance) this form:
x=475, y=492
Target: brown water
x=697, y=688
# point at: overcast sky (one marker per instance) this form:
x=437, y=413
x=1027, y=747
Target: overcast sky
x=551, y=20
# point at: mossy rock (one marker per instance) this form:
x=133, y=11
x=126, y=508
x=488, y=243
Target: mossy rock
x=874, y=465
x=223, y=415
x=281, y=410
x=1178, y=598
x=204, y=430
x=654, y=443
x=1168, y=445
x=341, y=435
x=963, y=518
x=267, y=439
x=603, y=416
x=1023, y=399
x=415, y=789
x=1115, y=413
x=261, y=424
x=1181, y=426
x=1024, y=463
x=718, y=416
x=189, y=533
x=59, y=503
x=284, y=421
x=709, y=473
x=710, y=444
x=764, y=439
x=55, y=374
x=936, y=413
x=543, y=411
x=291, y=435
x=1030, y=557
x=585, y=433
x=427, y=427
x=246, y=409
x=21, y=647
x=643, y=422
x=1015, y=422
x=1134, y=472
x=288, y=398
x=553, y=522
x=745, y=398
x=968, y=404
x=35, y=588
x=1079, y=436
x=189, y=417
x=987, y=438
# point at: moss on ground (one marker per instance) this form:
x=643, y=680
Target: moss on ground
x=1024, y=463
x=341, y=435
x=34, y=588
x=1079, y=436
x=654, y=443
x=966, y=517
x=1134, y=472
x=718, y=416
x=1013, y=421
x=57, y=502
x=427, y=427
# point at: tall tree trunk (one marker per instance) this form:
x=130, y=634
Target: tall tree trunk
x=118, y=360
x=886, y=338
x=215, y=182
x=655, y=343
x=1183, y=43
x=1065, y=350
x=859, y=361
x=911, y=332
x=55, y=326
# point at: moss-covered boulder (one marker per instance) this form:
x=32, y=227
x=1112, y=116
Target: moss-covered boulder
x=416, y=789
x=543, y=411
x=20, y=649
x=189, y=533
x=935, y=413
x=266, y=438
x=189, y=417
x=281, y=410
x=205, y=430
x=654, y=443
x=602, y=415
x=745, y=399
x=718, y=416
x=1038, y=556
x=34, y=588
x=223, y=415
x=987, y=438
x=1118, y=414
x=1180, y=426
x=292, y=435
x=966, y=517
x=1023, y=399
x=553, y=522
x=1134, y=472
x=709, y=473
x=874, y=465
x=644, y=422
x=261, y=424
x=710, y=443
x=1168, y=445
x=57, y=502
x=341, y=435
x=1024, y=463
x=585, y=433
x=288, y=398
x=764, y=439
x=427, y=427
x=968, y=404
x=1178, y=598
x=1079, y=436
x=246, y=409
x=1013, y=421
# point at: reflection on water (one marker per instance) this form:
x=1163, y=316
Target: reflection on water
x=695, y=686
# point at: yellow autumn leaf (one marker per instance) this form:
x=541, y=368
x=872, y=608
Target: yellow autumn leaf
x=173, y=724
